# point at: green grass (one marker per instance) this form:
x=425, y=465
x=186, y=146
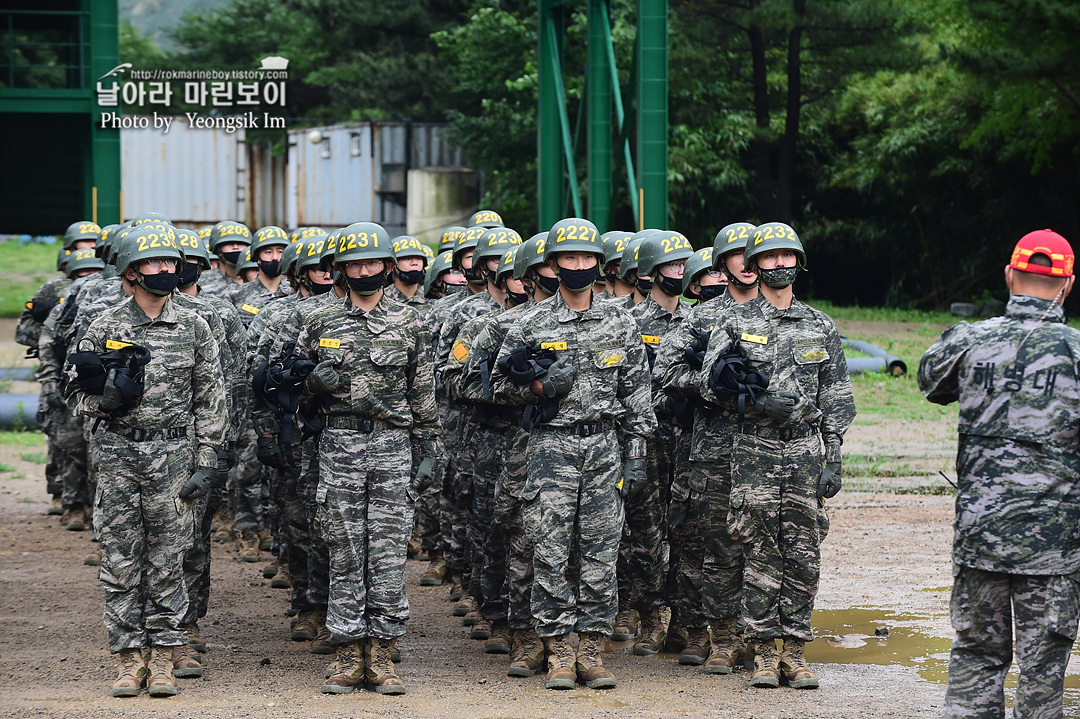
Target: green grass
x=23, y=269
x=23, y=439
x=883, y=395
x=6, y=468
x=882, y=314
x=35, y=457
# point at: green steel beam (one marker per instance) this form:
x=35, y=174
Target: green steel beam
x=103, y=171
x=551, y=167
x=620, y=117
x=652, y=124
x=598, y=91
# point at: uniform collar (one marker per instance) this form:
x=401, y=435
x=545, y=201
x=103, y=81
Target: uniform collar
x=1028, y=307
x=563, y=313
x=139, y=318
x=377, y=319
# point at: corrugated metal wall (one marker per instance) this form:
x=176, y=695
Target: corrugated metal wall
x=266, y=186
x=193, y=177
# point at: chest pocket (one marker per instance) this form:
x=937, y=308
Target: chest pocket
x=388, y=356
x=809, y=352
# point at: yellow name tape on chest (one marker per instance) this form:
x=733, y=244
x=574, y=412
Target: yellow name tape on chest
x=756, y=339
x=249, y=308
x=116, y=345
x=650, y=339
x=460, y=351
x=552, y=345
x=331, y=343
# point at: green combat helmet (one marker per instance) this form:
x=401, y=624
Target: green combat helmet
x=83, y=259
x=245, y=263
x=630, y=256
x=228, y=231
x=775, y=236
x=150, y=217
x=573, y=235
x=468, y=241
x=696, y=264
x=449, y=239
x=442, y=264
x=147, y=242
x=79, y=231
x=614, y=244
x=485, y=219
x=309, y=256
x=409, y=246
x=302, y=233
x=287, y=263
x=493, y=244
x=61, y=259
x=363, y=241
x=269, y=236
x=732, y=238
x=660, y=248
x=530, y=255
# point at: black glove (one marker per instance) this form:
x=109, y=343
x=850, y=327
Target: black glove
x=778, y=405
x=559, y=379
x=226, y=458
x=112, y=397
x=694, y=352
x=829, y=483
x=520, y=368
x=55, y=400
x=200, y=483
x=324, y=378
x=633, y=474
x=268, y=451
x=425, y=470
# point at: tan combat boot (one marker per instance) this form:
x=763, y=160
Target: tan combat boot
x=266, y=540
x=457, y=588
x=677, y=636
x=465, y=606
x=380, y=667
x=321, y=643
x=194, y=638
x=271, y=569
x=696, y=650
x=625, y=627
x=223, y=531
x=724, y=648
x=589, y=667
x=282, y=580
x=130, y=674
x=94, y=558
x=481, y=628
x=186, y=664
x=306, y=627
x=766, y=664
x=56, y=509
x=247, y=547
x=793, y=666
x=500, y=640
x=652, y=635
x=348, y=669
x=436, y=570
x=77, y=520
x=526, y=654
x=561, y=660
x=161, y=682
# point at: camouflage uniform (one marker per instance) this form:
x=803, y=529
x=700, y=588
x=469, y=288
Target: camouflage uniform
x=143, y=537
x=365, y=457
x=574, y=462
x=1016, y=544
x=31, y=319
x=216, y=284
x=67, y=446
x=775, y=467
x=418, y=302
x=642, y=564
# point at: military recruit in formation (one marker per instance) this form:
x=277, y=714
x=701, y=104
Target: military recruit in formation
x=585, y=438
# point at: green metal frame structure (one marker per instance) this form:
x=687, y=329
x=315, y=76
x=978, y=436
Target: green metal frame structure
x=557, y=173
x=65, y=166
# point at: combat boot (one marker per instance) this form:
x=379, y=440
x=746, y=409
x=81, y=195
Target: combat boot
x=652, y=635
x=625, y=628
x=266, y=540
x=724, y=647
x=677, y=636
x=561, y=659
x=78, y=520
x=466, y=605
x=56, y=509
x=321, y=643
x=589, y=667
x=65, y=518
x=793, y=667
x=282, y=580
x=186, y=664
x=306, y=627
x=526, y=654
x=436, y=570
x=271, y=569
x=413, y=550
x=380, y=667
x=224, y=531
x=247, y=547
x=766, y=664
x=481, y=628
x=696, y=650
x=457, y=588
x=194, y=639
x=348, y=669
x=94, y=558
x=161, y=682
x=500, y=640
x=130, y=675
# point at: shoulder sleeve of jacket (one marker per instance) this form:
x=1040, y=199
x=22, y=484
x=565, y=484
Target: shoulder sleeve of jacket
x=939, y=368
x=207, y=396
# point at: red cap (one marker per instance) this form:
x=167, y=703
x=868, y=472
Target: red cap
x=1045, y=242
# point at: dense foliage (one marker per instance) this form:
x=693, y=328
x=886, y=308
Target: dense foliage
x=910, y=142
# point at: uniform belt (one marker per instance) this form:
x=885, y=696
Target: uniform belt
x=784, y=434
x=137, y=434
x=585, y=429
x=357, y=424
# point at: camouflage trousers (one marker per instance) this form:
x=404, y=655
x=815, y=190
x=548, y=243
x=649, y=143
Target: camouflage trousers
x=518, y=537
x=455, y=500
x=53, y=460
x=247, y=482
x=686, y=514
x=197, y=558
x=427, y=509
x=572, y=503
x=66, y=433
x=984, y=608
x=318, y=556
x=143, y=539
x=774, y=514
x=643, y=563
x=294, y=540
x=366, y=515
x=487, y=539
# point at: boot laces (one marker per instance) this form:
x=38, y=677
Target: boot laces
x=130, y=663
x=382, y=653
x=795, y=654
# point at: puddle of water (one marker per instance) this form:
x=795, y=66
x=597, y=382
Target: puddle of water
x=847, y=637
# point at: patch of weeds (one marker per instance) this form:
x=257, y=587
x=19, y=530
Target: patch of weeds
x=5, y=385
x=26, y=500
x=858, y=465
x=18, y=475
x=35, y=457
x=866, y=422
x=895, y=398
x=6, y=468
x=28, y=438
x=938, y=490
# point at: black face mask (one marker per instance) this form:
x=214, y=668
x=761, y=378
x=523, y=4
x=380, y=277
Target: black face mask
x=548, y=284
x=410, y=277
x=161, y=284
x=517, y=298
x=577, y=280
x=453, y=289
x=711, y=292
x=189, y=276
x=610, y=277
x=367, y=286
x=778, y=277
x=317, y=288
x=231, y=257
x=270, y=268
x=644, y=285
x=474, y=276
x=671, y=285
